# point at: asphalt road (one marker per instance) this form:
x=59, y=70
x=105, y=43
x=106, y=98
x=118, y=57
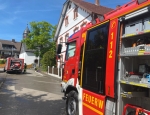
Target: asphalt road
x=31, y=94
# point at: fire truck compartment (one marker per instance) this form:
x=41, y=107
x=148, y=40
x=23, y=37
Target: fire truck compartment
x=133, y=28
x=136, y=45
x=134, y=65
x=147, y=24
x=135, y=95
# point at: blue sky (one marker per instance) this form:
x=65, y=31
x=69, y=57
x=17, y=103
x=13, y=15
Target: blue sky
x=16, y=14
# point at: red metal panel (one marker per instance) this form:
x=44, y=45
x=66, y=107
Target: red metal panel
x=8, y=64
x=125, y=9
x=111, y=57
x=93, y=104
x=73, y=62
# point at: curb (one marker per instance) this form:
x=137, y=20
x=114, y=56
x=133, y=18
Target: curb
x=49, y=75
x=56, y=76
x=39, y=73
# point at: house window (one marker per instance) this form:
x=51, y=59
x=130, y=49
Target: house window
x=94, y=17
x=8, y=47
x=100, y=17
x=61, y=40
x=66, y=37
x=83, y=24
x=69, y=5
x=76, y=29
x=75, y=12
x=66, y=21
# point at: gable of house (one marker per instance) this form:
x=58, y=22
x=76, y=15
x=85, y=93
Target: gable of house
x=85, y=6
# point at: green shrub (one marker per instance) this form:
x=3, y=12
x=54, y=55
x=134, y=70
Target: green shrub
x=48, y=60
x=2, y=61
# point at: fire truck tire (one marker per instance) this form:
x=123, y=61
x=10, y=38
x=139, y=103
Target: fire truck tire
x=72, y=103
x=4, y=70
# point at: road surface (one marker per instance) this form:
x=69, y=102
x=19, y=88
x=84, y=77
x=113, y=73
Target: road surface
x=31, y=94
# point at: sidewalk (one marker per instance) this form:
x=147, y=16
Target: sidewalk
x=48, y=75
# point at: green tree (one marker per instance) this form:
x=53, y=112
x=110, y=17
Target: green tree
x=41, y=36
x=48, y=59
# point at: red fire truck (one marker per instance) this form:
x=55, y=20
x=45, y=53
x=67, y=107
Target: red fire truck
x=107, y=64
x=14, y=65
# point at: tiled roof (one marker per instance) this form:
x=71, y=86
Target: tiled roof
x=7, y=42
x=27, y=49
x=92, y=7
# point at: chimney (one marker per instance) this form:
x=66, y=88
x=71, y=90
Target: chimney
x=117, y=6
x=13, y=40
x=97, y=2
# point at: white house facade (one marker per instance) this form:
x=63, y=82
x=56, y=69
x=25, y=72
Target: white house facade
x=75, y=14
x=25, y=53
x=28, y=56
x=71, y=25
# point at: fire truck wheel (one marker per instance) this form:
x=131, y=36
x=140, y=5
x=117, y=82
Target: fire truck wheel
x=4, y=70
x=72, y=103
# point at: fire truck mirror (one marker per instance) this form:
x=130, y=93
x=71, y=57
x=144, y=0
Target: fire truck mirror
x=59, y=47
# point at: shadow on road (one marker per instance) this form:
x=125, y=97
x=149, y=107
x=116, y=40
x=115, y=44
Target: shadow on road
x=1, y=71
x=16, y=103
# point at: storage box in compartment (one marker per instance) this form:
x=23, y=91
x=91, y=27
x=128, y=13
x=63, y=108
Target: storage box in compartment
x=133, y=94
x=133, y=28
x=131, y=50
x=135, y=50
x=147, y=24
